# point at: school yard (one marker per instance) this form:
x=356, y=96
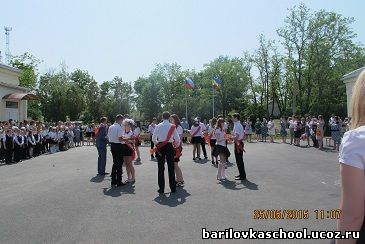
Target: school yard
x=59, y=199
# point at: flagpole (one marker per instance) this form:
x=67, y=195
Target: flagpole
x=213, y=101
x=186, y=106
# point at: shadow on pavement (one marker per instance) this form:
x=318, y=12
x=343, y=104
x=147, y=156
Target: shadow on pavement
x=250, y=185
x=97, y=178
x=119, y=191
x=233, y=185
x=174, y=199
x=203, y=161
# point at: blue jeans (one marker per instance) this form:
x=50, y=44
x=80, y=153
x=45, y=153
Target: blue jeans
x=101, y=159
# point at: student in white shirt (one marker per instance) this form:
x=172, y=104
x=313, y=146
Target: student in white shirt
x=151, y=130
x=18, y=144
x=137, y=133
x=212, y=140
x=166, y=151
x=128, y=140
x=179, y=176
x=31, y=143
x=238, y=136
x=115, y=134
x=222, y=149
x=196, y=138
x=202, y=142
x=352, y=166
x=292, y=124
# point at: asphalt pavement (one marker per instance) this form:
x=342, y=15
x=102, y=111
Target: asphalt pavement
x=59, y=199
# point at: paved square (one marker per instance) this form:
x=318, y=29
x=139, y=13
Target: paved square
x=57, y=198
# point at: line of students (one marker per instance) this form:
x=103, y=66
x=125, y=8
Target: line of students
x=18, y=143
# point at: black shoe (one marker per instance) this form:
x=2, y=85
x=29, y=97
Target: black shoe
x=121, y=184
x=160, y=191
x=194, y=158
x=105, y=173
x=113, y=185
x=240, y=178
x=213, y=162
x=199, y=159
x=237, y=176
x=173, y=191
x=205, y=157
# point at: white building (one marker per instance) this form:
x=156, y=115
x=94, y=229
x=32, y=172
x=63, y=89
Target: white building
x=13, y=98
x=349, y=80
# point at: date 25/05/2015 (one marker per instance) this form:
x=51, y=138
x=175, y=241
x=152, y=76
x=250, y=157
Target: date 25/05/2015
x=299, y=214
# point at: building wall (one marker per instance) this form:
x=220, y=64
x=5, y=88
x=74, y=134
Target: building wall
x=22, y=105
x=9, y=77
x=349, y=87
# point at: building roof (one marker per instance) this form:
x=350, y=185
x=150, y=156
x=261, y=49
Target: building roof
x=13, y=86
x=9, y=68
x=352, y=74
x=21, y=96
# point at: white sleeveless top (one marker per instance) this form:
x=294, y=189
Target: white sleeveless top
x=352, y=149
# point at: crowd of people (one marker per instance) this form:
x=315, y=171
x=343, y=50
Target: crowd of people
x=167, y=145
x=20, y=141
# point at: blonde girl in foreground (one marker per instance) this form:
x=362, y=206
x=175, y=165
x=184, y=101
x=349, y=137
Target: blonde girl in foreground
x=352, y=164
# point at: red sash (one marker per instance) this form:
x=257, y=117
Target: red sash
x=239, y=147
x=196, y=132
x=164, y=143
x=96, y=131
x=208, y=138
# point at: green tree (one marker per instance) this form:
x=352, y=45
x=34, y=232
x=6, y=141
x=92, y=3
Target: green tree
x=28, y=64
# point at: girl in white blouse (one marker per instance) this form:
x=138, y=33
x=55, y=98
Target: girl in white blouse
x=137, y=133
x=213, y=140
x=178, y=173
x=221, y=148
x=128, y=148
x=352, y=165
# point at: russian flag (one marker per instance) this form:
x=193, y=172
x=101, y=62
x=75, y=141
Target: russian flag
x=216, y=81
x=189, y=83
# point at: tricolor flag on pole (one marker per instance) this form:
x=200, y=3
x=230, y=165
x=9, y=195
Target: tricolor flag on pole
x=216, y=82
x=189, y=83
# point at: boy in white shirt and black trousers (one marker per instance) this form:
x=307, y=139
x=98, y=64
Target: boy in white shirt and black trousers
x=164, y=135
x=202, y=143
x=115, y=135
x=238, y=136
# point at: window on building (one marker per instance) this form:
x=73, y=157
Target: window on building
x=10, y=104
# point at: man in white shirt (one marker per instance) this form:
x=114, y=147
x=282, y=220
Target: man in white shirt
x=238, y=135
x=115, y=133
x=164, y=135
x=151, y=129
x=203, y=131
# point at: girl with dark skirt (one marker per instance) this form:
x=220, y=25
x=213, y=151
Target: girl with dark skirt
x=178, y=173
x=128, y=149
x=18, y=143
x=9, y=146
x=213, y=140
x=222, y=149
x=297, y=132
x=196, y=139
x=137, y=133
x=25, y=144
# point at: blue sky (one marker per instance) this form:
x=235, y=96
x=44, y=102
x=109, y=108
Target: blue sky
x=127, y=38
